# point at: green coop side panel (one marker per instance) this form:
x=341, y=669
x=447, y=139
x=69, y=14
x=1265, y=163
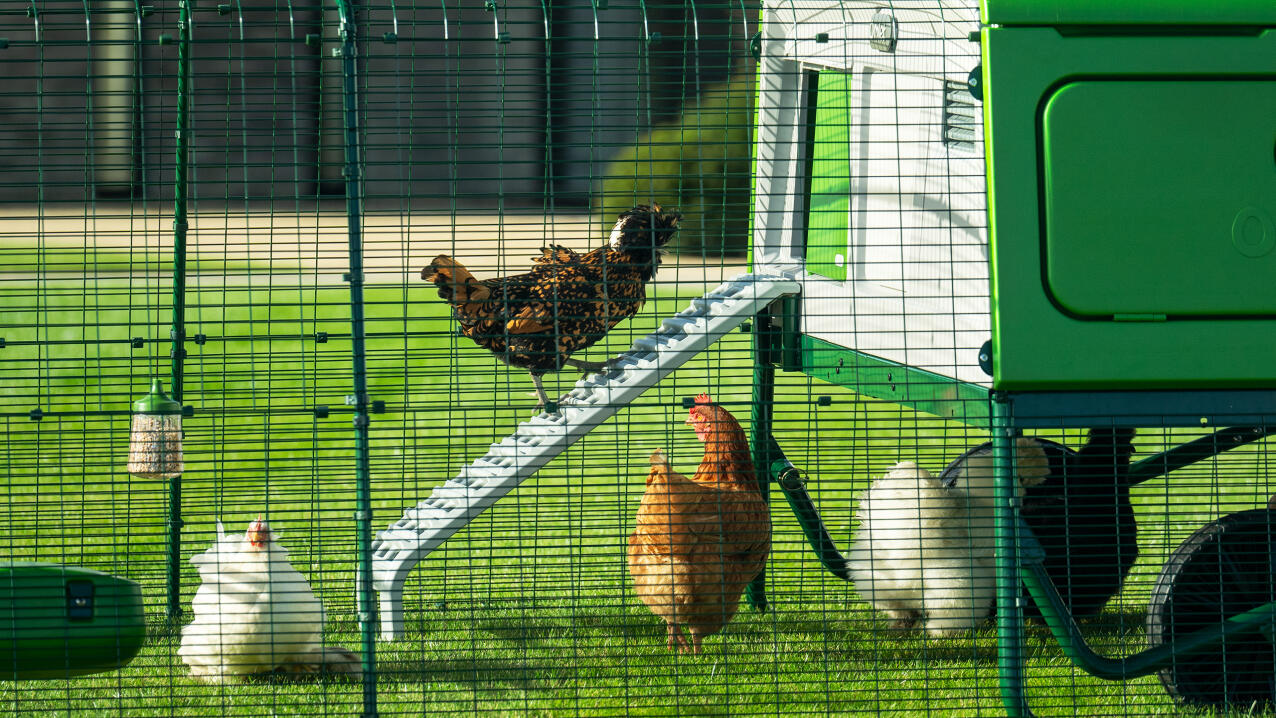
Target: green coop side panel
x=1128, y=12
x=829, y=199
x=1160, y=197
x=1131, y=177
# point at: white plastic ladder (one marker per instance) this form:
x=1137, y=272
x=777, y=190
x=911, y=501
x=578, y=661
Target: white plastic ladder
x=535, y=442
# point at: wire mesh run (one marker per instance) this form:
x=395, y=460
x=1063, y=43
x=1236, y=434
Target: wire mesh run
x=581, y=358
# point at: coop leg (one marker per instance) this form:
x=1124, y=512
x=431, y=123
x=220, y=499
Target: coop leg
x=1010, y=639
x=764, y=341
x=789, y=479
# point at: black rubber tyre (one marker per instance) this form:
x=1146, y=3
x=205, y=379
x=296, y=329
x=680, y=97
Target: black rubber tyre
x=1223, y=569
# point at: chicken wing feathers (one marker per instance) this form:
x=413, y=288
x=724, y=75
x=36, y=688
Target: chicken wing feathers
x=566, y=302
x=557, y=254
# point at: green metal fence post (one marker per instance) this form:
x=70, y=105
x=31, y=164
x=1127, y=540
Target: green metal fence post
x=178, y=330
x=367, y=605
x=1010, y=639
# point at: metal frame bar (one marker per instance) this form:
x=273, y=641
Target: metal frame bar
x=366, y=600
x=764, y=342
x=181, y=172
x=1142, y=663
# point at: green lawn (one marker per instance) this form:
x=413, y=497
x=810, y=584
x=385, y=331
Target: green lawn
x=527, y=611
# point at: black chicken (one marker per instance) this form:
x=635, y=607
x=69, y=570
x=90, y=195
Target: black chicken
x=1083, y=517
x=567, y=302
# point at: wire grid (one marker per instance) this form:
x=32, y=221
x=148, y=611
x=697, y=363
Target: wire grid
x=484, y=133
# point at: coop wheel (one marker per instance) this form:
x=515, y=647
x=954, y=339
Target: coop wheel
x=1221, y=570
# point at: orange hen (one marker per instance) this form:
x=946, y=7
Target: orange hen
x=700, y=540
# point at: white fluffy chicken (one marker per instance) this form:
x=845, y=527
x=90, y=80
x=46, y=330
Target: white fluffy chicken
x=254, y=613
x=925, y=551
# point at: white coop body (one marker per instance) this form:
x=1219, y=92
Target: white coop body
x=901, y=272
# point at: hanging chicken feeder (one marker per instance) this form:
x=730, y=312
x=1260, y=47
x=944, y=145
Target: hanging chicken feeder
x=155, y=444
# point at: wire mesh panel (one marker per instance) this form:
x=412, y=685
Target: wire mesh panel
x=163, y=225
x=567, y=358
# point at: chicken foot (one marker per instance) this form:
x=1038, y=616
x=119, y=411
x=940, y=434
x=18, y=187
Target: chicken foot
x=586, y=367
x=592, y=367
x=542, y=399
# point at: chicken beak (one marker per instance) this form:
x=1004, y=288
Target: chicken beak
x=258, y=534
x=701, y=426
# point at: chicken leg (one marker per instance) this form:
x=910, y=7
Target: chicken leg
x=675, y=642
x=541, y=397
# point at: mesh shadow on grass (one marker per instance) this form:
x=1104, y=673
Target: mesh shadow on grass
x=478, y=672
x=858, y=638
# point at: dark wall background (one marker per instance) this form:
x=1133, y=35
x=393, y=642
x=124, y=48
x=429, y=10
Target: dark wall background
x=461, y=103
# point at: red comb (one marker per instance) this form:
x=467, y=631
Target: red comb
x=703, y=399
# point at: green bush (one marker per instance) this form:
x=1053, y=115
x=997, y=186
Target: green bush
x=698, y=163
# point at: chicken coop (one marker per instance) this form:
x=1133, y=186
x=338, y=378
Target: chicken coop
x=637, y=358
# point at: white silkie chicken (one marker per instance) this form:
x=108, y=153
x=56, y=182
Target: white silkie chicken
x=254, y=613
x=924, y=551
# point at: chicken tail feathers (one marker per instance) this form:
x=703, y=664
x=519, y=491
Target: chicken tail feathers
x=659, y=465
x=907, y=472
x=659, y=459
x=456, y=285
x=1030, y=462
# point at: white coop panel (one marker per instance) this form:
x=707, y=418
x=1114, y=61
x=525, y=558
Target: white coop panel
x=870, y=177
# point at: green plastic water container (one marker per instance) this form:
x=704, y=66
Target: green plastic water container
x=60, y=621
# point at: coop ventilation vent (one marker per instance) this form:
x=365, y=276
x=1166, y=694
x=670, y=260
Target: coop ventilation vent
x=961, y=117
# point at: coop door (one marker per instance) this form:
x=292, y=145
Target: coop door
x=828, y=212
x=1159, y=197
x=840, y=141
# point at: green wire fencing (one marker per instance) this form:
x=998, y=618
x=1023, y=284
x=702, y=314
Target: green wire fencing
x=270, y=209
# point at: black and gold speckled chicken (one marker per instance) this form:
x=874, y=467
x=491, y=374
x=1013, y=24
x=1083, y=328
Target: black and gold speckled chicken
x=566, y=303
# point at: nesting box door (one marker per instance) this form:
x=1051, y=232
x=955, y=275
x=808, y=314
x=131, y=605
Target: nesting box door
x=870, y=179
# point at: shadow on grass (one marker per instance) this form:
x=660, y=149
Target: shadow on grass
x=524, y=675
x=542, y=644
x=162, y=630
